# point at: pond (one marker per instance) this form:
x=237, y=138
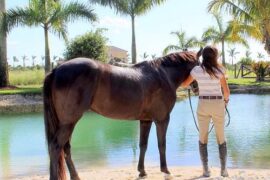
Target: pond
x=98, y=141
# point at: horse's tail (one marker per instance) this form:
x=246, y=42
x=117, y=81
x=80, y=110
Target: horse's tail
x=51, y=122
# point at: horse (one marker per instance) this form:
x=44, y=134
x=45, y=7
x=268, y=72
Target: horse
x=145, y=91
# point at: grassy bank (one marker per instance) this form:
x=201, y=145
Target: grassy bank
x=26, y=77
x=247, y=82
x=29, y=89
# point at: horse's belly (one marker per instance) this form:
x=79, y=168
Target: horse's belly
x=115, y=112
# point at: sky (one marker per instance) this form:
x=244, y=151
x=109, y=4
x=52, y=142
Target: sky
x=152, y=30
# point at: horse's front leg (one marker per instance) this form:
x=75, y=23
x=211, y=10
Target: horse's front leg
x=145, y=127
x=161, y=127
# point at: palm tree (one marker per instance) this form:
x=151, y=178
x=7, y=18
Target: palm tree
x=24, y=58
x=232, y=53
x=251, y=15
x=221, y=35
x=248, y=53
x=51, y=15
x=15, y=59
x=130, y=8
x=144, y=56
x=3, y=50
x=184, y=43
x=33, y=60
x=260, y=56
x=153, y=56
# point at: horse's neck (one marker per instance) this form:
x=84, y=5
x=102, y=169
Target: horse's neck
x=176, y=76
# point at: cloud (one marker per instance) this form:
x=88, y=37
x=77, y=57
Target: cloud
x=13, y=43
x=115, y=22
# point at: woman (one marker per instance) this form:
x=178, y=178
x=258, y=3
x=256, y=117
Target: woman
x=211, y=78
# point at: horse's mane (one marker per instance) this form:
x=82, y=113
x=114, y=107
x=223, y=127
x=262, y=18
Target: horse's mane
x=173, y=59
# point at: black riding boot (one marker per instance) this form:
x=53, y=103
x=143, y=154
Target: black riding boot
x=204, y=159
x=223, y=159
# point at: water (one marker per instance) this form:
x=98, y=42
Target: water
x=98, y=141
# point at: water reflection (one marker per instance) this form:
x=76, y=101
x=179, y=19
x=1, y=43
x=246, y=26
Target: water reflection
x=98, y=141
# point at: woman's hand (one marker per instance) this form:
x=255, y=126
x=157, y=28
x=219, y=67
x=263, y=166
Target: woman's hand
x=226, y=101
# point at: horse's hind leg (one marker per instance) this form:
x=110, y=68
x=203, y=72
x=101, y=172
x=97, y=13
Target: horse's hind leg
x=145, y=127
x=57, y=151
x=161, y=127
x=72, y=171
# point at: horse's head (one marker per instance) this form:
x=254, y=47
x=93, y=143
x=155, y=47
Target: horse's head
x=178, y=65
x=194, y=85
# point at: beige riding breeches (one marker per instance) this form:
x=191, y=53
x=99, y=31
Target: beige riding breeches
x=211, y=109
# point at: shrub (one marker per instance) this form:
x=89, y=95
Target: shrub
x=91, y=45
x=261, y=69
x=246, y=61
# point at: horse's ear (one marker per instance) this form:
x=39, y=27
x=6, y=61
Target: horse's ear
x=199, y=53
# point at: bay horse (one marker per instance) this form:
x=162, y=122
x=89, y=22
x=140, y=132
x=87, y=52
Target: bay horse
x=145, y=91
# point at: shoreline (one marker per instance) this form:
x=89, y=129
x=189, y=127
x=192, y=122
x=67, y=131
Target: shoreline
x=29, y=103
x=177, y=173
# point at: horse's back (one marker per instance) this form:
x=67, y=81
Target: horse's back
x=68, y=72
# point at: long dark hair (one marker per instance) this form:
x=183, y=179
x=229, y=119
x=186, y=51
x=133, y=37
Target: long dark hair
x=210, y=61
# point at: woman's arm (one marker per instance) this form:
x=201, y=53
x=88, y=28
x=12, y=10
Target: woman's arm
x=225, y=87
x=187, y=82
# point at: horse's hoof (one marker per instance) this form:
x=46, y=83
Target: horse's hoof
x=75, y=178
x=167, y=176
x=165, y=171
x=142, y=175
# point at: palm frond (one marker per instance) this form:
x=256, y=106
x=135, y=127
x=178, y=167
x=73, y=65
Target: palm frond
x=239, y=9
x=19, y=17
x=170, y=48
x=120, y=6
x=73, y=11
x=142, y=6
x=211, y=34
x=219, y=22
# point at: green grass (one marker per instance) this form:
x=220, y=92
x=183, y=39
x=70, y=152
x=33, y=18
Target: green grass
x=30, y=89
x=247, y=82
x=26, y=77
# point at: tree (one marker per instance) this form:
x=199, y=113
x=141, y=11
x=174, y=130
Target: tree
x=232, y=53
x=144, y=56
x=184, y=43
x=24, y=58
x=91, y=45
x=248, y=53
x=221, y=35
x=260, y=56
x=153, y=56
x=51, y=15
x=260, y=68
x=15, y=59
x=33, y=60
x=130, y=8
x=3, y=50
x=252, y=17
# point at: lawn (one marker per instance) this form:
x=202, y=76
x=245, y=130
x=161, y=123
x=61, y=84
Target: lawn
x=29, y=89
x=26, y=77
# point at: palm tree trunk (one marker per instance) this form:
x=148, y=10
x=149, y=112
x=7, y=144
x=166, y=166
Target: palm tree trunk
x=267, y=43
x=223, y=52
x=47, y=50
x=133, y=46
x=3, y=52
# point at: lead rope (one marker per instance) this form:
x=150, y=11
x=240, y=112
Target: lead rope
x=212, y=124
